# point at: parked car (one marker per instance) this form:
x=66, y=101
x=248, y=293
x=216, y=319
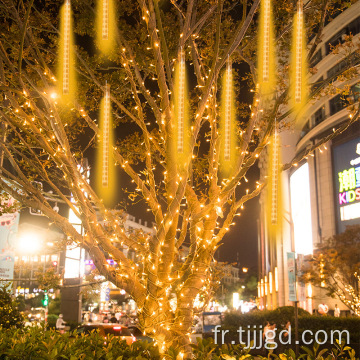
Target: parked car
x=107, y=329
x=135, y=331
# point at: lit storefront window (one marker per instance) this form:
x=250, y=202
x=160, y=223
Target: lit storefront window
x=301, y=210
x=346, y=163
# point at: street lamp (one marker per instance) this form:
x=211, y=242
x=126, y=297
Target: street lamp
x=29, y=243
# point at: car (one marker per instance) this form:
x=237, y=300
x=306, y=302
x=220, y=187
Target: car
x=135, y=331
x=108, y=329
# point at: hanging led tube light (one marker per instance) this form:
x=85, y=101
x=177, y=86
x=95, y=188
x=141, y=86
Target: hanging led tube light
x=275, y=179
x=299, y=55
x=106, y=138
x=181, y=104
x=227, y=122
x=66, y=54
x=266, y=44
x=105, y=20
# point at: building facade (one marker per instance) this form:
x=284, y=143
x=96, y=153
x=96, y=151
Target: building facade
x=321, y=195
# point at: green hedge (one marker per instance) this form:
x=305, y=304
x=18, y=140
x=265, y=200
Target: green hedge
x=279, y=316
x=37, y=343
x=283, y=314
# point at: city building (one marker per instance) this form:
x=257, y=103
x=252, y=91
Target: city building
x=319, y=200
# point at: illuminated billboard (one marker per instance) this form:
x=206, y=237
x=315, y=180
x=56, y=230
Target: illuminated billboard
x=346, y=165
x=301, y=210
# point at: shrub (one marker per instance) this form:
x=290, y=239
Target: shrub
x=51, y=321
x=37, y=343
x=279, y=316
x=9, y=312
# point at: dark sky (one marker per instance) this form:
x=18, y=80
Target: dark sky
x=240, y=243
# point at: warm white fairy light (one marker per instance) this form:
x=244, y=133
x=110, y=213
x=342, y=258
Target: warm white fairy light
x=106, y=135
x=105, y=20
x=266, y=49
x=66, y=63
x=227, y=144
x=298, y=62
x=274, y=178
x=181, y=103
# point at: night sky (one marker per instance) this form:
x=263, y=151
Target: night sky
x=240, y=243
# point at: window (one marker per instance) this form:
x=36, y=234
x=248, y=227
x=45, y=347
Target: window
x=349, y=61
x=352, y=28
x=319, y=116
x=305, y=129
x=317, y=57
x=354, y=93
x=337, y=103
x=316, y=85
x=335, y=40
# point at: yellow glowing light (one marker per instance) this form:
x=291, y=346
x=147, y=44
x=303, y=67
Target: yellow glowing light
x=66, y=54
x=227, y=130
x=274, y=180
x=266, y=285
x=276, y=275
x=106, y=137
x=53, y=95
x=66, y=84
x=105, y=20
x=309, y=290
x=298, y=56
x=106, y=26
x=273, y=202
x=266, y=50
x=299, y=68
x=181, y=104
x=266, y=43
x=270, y=282
x=105, y=163
x=227, y=123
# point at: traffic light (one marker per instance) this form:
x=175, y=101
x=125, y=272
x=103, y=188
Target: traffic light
x=45, y=302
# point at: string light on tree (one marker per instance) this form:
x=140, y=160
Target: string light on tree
x=299, y=55
x=275, y=178
x=67, y=42
x=106, y=138
x=266, y=41
x=181, y=104
x=105, y=20
x=227, y=129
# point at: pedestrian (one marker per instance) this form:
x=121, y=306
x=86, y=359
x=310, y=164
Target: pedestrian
x=113, y=319
x=60, y=324
x=86, y=317
x=336, y=311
